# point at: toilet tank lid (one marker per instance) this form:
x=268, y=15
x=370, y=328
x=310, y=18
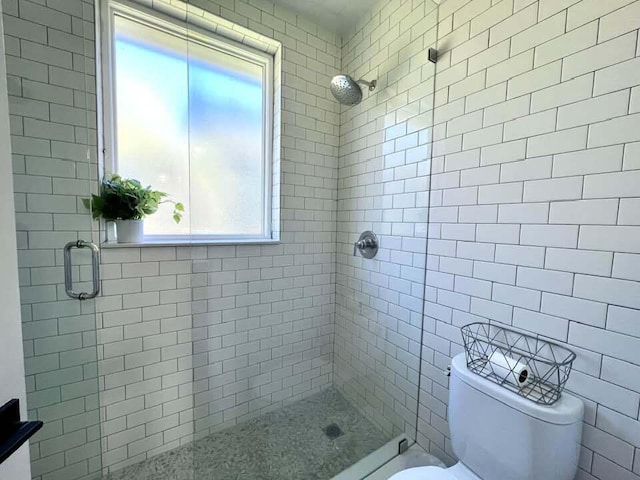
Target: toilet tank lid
x=567, y=410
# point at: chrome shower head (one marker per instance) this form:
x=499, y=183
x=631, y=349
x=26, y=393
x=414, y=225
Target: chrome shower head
x=347, y=91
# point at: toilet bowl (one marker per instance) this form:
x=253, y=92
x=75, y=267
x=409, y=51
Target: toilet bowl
x=499, y=435
x=457, y=472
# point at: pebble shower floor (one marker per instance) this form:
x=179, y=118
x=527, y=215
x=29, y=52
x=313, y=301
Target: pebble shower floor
x=287, y=444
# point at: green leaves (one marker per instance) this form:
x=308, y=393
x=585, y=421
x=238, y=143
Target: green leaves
x=178, y=210
x=126, y=199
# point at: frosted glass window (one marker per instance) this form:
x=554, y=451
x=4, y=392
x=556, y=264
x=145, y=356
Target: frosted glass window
x=190, y=119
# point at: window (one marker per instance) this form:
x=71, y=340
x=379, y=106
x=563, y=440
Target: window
x=190, y=113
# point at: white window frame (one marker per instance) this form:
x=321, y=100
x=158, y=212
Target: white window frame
x=108, y=10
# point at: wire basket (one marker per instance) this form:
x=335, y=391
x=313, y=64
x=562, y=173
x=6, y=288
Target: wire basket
x=535, y=368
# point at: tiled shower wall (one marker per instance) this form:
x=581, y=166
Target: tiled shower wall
x=383, y=186
x=524, y=147
x=252, y=324
x=535, y=198
x=198, y=339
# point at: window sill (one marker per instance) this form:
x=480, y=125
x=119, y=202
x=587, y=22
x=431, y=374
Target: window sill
x=189, y=243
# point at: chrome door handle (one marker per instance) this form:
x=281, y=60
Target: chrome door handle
x=95, y=268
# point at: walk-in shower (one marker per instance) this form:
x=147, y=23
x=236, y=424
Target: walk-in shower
x=283, y=358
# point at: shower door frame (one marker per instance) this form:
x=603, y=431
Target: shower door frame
x=60, y=333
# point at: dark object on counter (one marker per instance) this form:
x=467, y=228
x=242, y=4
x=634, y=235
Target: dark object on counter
x=13, y=432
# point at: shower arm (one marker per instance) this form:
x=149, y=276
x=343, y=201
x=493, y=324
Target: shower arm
x=372, y=84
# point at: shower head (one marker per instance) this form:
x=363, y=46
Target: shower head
x=347, y=91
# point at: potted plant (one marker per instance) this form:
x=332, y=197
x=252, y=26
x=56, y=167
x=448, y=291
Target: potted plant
x=126, y=202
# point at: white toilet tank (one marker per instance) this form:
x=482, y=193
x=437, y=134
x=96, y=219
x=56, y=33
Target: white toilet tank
x=500, y=435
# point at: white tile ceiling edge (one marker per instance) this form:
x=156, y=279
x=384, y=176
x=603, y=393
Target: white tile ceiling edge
x=340, y=16
x=334, y=15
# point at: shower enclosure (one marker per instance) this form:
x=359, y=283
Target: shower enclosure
x=290, y=358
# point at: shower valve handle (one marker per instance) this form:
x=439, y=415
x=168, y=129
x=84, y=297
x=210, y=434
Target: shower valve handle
x=367, y=244
x=361, y=245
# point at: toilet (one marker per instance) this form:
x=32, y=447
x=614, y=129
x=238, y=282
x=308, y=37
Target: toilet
x=499, y=435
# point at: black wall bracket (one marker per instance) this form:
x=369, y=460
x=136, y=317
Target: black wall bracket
x=433, y=55
x=13, y=432
x=403, y=446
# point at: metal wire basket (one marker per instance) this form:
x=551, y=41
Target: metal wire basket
x=535, y=368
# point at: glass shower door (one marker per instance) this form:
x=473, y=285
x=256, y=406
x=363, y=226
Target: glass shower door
x=146, y=333
x=52, y=106
x=380, y=301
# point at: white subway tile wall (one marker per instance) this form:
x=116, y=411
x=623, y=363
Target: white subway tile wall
x=383, y=183
x=530, y=204
x=198, y=339
x=535, y=180
x=190, y=340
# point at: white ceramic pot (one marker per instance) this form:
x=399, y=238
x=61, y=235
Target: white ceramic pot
x=130, y=231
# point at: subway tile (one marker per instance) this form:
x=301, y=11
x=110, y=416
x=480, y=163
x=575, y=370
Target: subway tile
x=530, y=169
x=607, y=394
x=621, y=373
x=546, y=325
x=530, y=125
x=495, y=272
x=499, y=233
x=516, y=296
x=500, y=193
x=598, y=57
x=626, y=266
x=510, y=68
x=545, y=280
x=513, y=25
x=579, y=261
x=487, y=97
x=471, y=47
x=594, y=110
x=562, y=236
x=621, y=426
x=584, y=212
x=584, y=162
x=520, y=255
x=565, y=93
x=588, y=10
x=491, y=310
x=631, y=158
x=622, y=293
x=503, y=152
x=623, y=320
x=558, y=142
x=583, y=311
x=538, y=34
x=617, y=77
x=629, y=213
x=618, y=22
x=612, y=185
x=571, y=42
x=537, y=79
x=523, y=213
x=619, y=130
x=618, y=239
x=568, y=188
